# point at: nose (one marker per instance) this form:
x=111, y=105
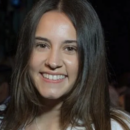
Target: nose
x=53, y=60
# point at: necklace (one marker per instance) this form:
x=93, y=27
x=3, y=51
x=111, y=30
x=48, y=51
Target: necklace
x=36, y=124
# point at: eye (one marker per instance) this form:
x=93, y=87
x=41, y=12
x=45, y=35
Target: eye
x=41, y=46
x=71, y=49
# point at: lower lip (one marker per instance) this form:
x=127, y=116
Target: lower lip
x=52, y=81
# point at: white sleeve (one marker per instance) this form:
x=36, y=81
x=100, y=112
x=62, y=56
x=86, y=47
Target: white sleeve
x=116, y=126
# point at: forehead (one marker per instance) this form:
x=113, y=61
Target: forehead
x=55, y=15
x=55, y=23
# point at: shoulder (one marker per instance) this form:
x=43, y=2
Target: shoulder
x=114, y=124
x=125, y=117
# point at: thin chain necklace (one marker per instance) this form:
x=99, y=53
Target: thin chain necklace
x=36, y=124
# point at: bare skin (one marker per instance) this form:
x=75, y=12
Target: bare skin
x=54, y=54
x=47, y=120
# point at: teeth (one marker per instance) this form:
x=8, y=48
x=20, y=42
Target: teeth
x=53, y=77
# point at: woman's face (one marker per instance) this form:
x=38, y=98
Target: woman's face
x=53, y=64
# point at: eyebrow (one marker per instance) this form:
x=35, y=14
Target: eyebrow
x=42, y=39
x=47, y=40
x=70, y=41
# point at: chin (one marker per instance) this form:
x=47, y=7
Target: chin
x=51, y=96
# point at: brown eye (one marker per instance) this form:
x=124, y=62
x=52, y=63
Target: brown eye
x=70, y=48
x=41, y=45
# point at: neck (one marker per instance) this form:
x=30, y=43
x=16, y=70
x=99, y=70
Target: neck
x=49, y=115
x=50, y=105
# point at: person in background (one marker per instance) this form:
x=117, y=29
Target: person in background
x=5, y=75
x=114, y=96
x=124, y=90
x=119, y=92
x=60, y=78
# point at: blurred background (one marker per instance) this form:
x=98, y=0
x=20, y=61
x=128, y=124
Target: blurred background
x=115, y=19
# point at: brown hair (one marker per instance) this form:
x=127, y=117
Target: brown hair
x=89, y=100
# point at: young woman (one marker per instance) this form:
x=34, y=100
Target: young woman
x=60, y=80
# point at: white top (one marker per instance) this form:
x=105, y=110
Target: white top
x=114, y=126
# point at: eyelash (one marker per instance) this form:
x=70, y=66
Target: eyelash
x=71, y=48
x=68, y=49
x=41, y=45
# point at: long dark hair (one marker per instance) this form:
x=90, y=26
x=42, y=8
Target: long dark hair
x=89, y=100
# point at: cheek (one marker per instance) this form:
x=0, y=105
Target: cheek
x=72, y=65
x=35, y=60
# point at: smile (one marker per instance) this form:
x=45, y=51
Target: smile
x=53, y=77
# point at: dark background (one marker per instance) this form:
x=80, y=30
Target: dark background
x=114, y=16
x=115, y=19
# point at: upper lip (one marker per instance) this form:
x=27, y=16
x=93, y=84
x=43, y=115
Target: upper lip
x=53, y=73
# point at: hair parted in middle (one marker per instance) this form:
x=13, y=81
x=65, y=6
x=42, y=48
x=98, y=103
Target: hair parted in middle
x=88, y=101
